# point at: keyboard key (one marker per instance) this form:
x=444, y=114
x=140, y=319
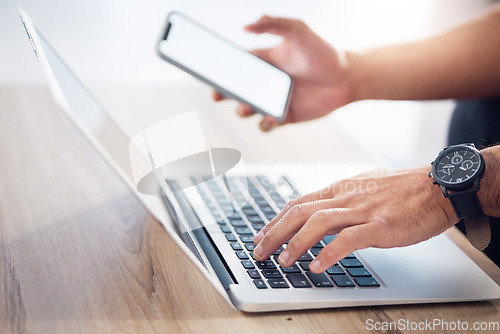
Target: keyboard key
x=238, y=223
x=246, y=238
x=351, y=263
x=254, y=219
x=318, y=245
x=305, y=257
x=253, y=273
x=327, y=239
x=249, y=211
x=243, y=230
x=315, y=251
x=268, y=264
x=227, y=208
x=351, y=256
x=342, y=281
x=367, y=281
x=258, y=226
x=260, y=284
x=254, y=192
x=242, y=255
x=230, y=237
x=247, y=206
x=247, y=264
x=241, y=200
x=278, y=251
x=228, y=211
x=278, y=283
x=275, y=196
x=235, y=216
x=225, y=229
x=250, y=247
x=223, y=201
x=236, y=246
x=271, y=273
x=358, y=272
x=319, y=280
x=298, y=281
x=270, y=216
x=293, y=269
x=335, y=270
x=280, y=203
x=305, y=265
x=261, y=201
x=267, y=209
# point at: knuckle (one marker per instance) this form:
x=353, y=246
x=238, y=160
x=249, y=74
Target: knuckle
x=327, y=192
x=350, y=235
x=291, y=203
x=298, y=211
x=320, y=218
x=368, y=206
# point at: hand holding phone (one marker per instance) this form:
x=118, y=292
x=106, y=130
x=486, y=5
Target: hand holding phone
x=229, y=69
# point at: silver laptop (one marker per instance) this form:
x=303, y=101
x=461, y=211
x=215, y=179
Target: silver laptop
x=212, y=205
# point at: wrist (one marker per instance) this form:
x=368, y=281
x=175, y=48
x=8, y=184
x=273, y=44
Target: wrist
x=365, y=76
x=354, y=77
x=442, y=202
x=489, y=191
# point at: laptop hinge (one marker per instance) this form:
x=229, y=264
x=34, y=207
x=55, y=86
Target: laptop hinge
x=205, y=242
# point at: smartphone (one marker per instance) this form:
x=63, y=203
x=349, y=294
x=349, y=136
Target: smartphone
x=228, y=68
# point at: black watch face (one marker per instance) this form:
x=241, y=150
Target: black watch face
x=457, y=165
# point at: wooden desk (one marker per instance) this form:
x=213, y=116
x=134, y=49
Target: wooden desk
x=79, y=254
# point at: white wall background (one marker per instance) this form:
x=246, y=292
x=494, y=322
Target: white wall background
x=111, y=42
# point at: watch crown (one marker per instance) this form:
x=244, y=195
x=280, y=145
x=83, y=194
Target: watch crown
x=429, y=174
x=432, y=163
x=434, y=182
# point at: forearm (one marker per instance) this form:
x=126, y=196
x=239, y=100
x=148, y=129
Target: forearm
x=489, y=192
x=461, y=63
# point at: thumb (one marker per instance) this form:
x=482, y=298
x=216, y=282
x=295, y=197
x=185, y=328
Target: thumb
x=275, y=25
x=268, y=123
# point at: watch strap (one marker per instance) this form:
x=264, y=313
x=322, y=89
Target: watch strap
x=466, y=203
x=478, y=232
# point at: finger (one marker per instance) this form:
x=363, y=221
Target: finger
x=244, y=110
x=275, y=25
x=268, y=123
x=321, y=223
x=283, y=230
x=322, y=194
x=346, y=242
x=216, y=96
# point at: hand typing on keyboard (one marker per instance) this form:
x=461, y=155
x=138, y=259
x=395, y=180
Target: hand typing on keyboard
x=376, y=209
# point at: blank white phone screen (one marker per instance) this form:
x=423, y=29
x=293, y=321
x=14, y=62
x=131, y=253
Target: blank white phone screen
x=226, y=66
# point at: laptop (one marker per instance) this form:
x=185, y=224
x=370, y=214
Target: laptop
x=212, y=205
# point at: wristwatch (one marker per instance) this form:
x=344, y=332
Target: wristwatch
x=458, y=170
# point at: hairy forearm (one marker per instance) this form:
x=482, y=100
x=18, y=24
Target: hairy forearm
x=489, y=192
x=461, y=63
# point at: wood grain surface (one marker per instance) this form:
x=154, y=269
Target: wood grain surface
x=79, y=254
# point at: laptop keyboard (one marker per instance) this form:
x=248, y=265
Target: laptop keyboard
x=250, y=204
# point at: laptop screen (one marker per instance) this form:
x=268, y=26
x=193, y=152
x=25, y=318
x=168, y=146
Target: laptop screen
x=86, y=109
x=124, y=153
